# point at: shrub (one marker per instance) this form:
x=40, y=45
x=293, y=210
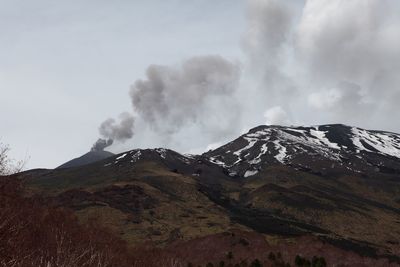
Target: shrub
x=243, y=263
x=318, y=262
x=271, y=256
x=256, y=263
x=243, y=242
x=299, y=261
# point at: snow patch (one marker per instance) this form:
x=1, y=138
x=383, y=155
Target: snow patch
x=257, y=134
x=281, y=152
x=250, y=173
x=185, y=159
x=217, y=161
x=320, y=135
x=122, y=156
x=384, y=143
x=162, y=152
x=251, y=143
x=255, y=161
x=136, y=156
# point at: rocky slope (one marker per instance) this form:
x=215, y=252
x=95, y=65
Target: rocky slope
x=337, y=183
x=323, y=148
x=90, y=157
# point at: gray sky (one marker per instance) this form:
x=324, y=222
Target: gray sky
x=191, y=74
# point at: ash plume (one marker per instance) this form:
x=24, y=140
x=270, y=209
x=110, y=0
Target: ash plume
x=325, y=60
x=199, y=91
x=101, y=144
x=118, y=131
x=197, y=97
x=311, y=62
x=115, y=130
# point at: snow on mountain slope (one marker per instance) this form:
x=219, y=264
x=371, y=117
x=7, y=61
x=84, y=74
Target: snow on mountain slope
x=380, y=142
x=157, y=155
x=318, y=147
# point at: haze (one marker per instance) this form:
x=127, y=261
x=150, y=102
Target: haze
x=190, y=75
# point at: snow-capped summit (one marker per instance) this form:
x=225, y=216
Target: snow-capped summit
x=324, y=149
x=320, y=148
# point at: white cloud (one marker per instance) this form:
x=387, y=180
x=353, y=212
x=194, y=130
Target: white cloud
x=324, y=99
x=276, y=116
x=337, y=57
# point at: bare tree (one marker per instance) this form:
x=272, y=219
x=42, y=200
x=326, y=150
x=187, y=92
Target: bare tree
x=8, y=165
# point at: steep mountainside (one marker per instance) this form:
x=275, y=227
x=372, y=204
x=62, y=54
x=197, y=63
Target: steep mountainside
x=326, y=148
x=337, y=183
x=90, y=157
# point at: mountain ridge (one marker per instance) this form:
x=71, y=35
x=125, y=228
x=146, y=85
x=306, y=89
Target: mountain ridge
x=322, y=140
x=328, y=184
x=333, y=143
x=87, y=158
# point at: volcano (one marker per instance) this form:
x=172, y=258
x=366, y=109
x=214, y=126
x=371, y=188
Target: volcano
x=334, y=184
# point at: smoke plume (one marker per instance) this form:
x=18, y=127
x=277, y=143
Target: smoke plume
x=265, y=40
x=118, y=131
x=331, y=59
x=101, y=144
x=321, y=61
x=113, y=130
x=199, y=91
x=276, y=116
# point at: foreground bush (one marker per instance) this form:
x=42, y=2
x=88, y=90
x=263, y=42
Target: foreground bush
x=32, y=234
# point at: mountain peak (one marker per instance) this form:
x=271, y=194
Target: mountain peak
x=90, y=157
x=318, y=147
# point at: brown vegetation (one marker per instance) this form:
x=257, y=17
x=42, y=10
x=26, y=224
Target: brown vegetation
x=36, y=235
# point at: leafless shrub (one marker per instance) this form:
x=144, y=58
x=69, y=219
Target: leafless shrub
x=7, y=165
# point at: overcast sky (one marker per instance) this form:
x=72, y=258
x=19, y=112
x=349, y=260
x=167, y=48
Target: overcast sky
x=190, y=75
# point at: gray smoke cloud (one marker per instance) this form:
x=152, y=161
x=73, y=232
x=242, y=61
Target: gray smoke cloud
x=311, y=62
x=268, y=26
x=335, y=61
x=340, y=101
x=196, y=95
x=101, y=144
x=265, y=44
x=199, y=91
x=113, y=130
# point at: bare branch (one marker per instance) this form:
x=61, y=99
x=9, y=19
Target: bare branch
x=8, y=165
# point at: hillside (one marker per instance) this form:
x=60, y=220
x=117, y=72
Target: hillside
x=333, y=185
x=87, y=158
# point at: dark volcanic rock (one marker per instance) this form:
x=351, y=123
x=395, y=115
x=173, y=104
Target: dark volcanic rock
x=338, y=183
x=322, y=150
x=90, y=157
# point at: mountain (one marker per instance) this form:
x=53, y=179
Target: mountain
x=90, y=157
x=322, y=149
x=298, y=188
